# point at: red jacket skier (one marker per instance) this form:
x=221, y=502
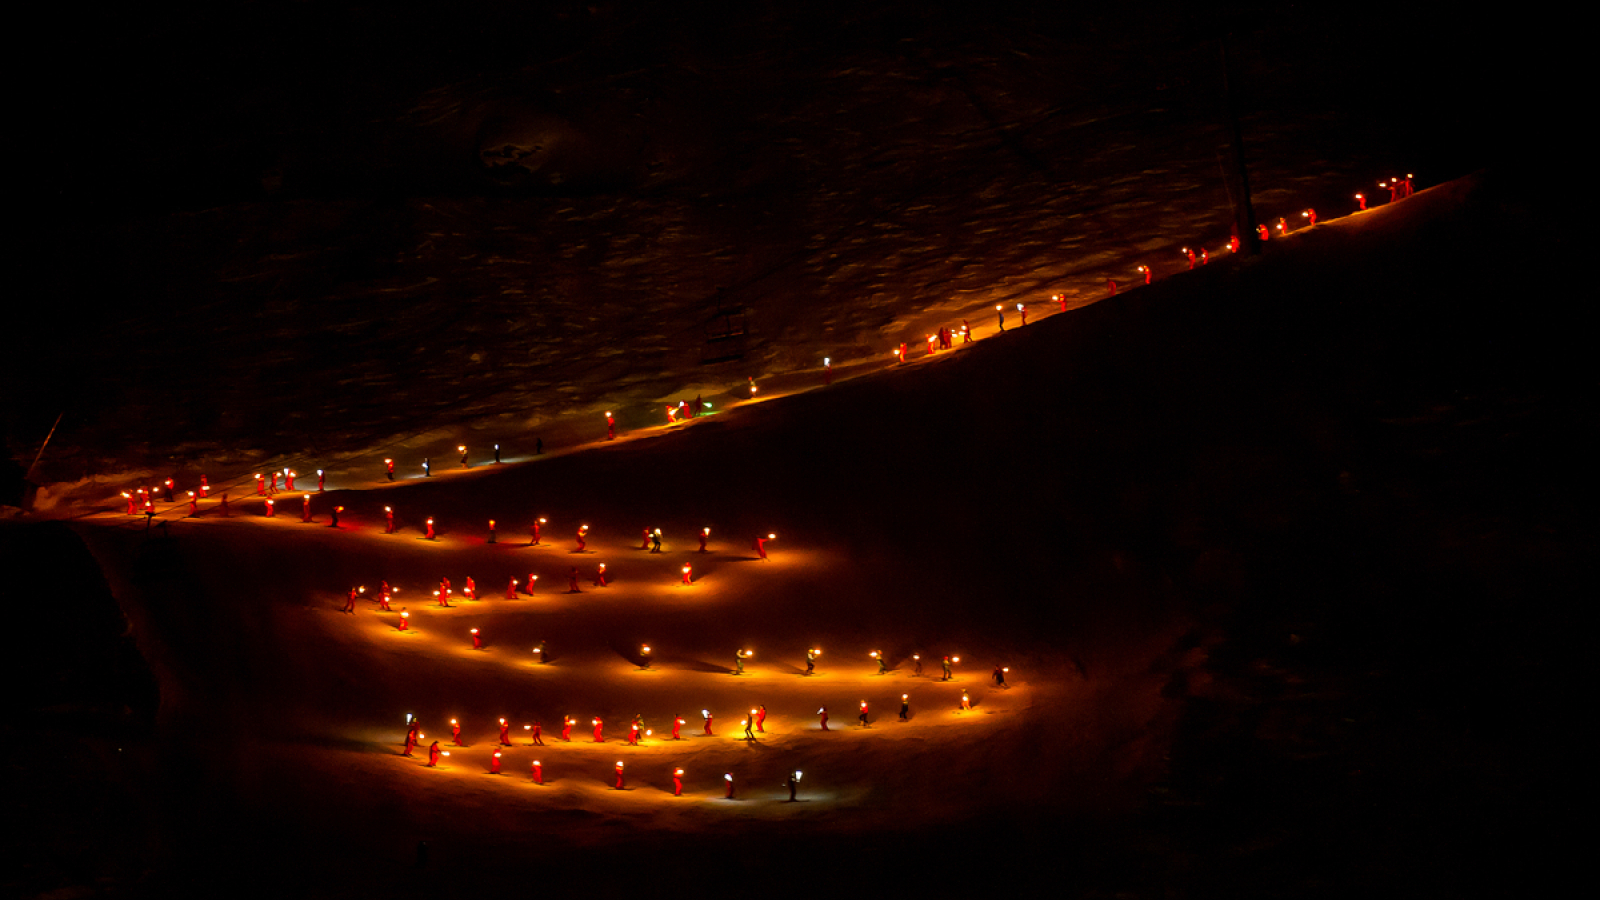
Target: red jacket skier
x=388, y=513
x=533, y=582
x=572, y=582
x=761, y=544
x=582, y=533
x=600, y=576
x=471, y=590
x=761, y=718
x=677, y=723
x=566, y=727
x=707, y=714
x=494, y=764
x=823, y=715
x=511, y=590
x=688, y=572
x=505, y=734
x=598, y=726
x=404, y=616
x=538, y=772
x=645, y=545
x=477, y=640
x=705, y=533
x=430, y=535
x=729, y=779
x=863, y=716
x=619, y=774
x=455, y=733
x=433, y=755
x=677, y=782
x=538, y=730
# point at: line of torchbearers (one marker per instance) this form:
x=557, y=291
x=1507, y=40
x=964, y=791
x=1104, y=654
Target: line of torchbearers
x=943, y=339
x=414, y=737
x=444, y=593
x=140, y=500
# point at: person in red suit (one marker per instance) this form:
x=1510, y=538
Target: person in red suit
x=688, y=573
x=580, y=537
x=505, y=734
x=405, y=618
x=598, y=726
x=707, y=714
x=538, y=730
x=572, y=582
x=455, y=733
x=761, y=545
x=677, y=722
x=477, y=640
x=761, y=718
x=533, y=582
x=823, y=716
x=619, y=775
x=600, y=576
x=433, y=755
x=511, y=590
x=677, y=782
x=494, y=763
x=566, y=727
x=863, y=716
x=729, y=779
x=705, y=533
x=538, y=772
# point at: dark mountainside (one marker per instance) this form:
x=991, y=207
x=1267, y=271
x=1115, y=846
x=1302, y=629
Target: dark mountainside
x=1354, y=467
x=318, y=226
x=1342, y=463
